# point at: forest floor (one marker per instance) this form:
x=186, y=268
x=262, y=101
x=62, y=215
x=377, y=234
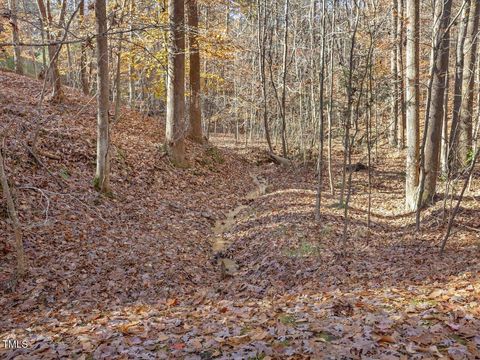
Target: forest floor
x=136, y=275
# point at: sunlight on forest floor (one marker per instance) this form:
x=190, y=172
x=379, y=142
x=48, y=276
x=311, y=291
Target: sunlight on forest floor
x=136, y=276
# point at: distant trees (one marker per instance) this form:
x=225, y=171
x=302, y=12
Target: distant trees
x=47, y=24
x=266, y=74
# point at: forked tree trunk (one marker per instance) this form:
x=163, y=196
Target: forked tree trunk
x=175, y=124
x=412, y=103
x=57, y=91
x=102, y=177
x=194, y=53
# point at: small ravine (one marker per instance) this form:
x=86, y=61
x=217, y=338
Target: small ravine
x=219, y=241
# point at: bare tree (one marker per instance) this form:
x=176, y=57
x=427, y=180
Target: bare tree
x=412, y=102
x=83, y=52
x=17, y=57
x=462, y=143
x=395, y=79
x=194, y=53
x=102, y=177
x=435, y=107
x=458, y=95
x=21, y=262
x=175, y=123
x=47, y=20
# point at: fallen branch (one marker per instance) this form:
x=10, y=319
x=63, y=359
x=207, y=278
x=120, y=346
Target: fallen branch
x=279, y=160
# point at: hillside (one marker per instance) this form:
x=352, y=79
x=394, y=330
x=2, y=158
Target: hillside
x=136, y=276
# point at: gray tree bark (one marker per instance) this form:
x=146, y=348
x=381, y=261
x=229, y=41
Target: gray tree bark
x=102, y=177
x=175, y=124
x=412, y=103
x=440, y=57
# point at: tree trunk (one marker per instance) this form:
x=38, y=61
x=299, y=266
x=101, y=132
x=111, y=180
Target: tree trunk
x=284, y=81
x=102, y=177
x=176, y=83
x=15, y=37
x=83, y=54
x=463, y=143
x=412, y=102
x=194, y=53
x=261, y=38
x=57, y=91
x=395, y=80
x=401, y=75
x=131, y=82
x=444, y=142
x=440, y=57
x=458, y=95
x=21, y=262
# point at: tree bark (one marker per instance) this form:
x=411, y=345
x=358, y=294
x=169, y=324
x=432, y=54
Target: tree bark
x=102, y=178
x=458, y=95
x=21, y=262
x=57, y=91
x=463, y=138
x=17, y=58
x=395, y=79
x=83, y=53
x=194, y=53
x=440, y=57
x=412, y=103
x=176, y=83
x=401, y=74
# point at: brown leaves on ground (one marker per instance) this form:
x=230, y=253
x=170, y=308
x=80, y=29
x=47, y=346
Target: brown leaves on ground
x=134, y=276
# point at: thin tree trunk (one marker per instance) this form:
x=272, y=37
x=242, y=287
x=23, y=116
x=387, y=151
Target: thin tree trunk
x=19, y=249
x=83, y=53
x=458, y=94
x=330, y=101
x=261, y=37
x=444, y=143
x=102, y=177
x=463, y=143
x=401, y=75
x=17, y=57
x=412, y=103
x=131, y=81
x=320, y=164
x=395, y=79
x=284, y=81
x=433, y=133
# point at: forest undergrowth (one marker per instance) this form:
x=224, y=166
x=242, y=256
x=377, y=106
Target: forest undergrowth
x=134, y=275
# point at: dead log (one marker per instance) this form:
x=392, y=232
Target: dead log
x=279, y=160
